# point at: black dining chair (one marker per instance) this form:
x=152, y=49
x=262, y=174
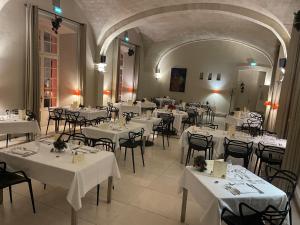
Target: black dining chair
x=248, y=215
x=164, y=128
x=9, y=179
x=269, y=155
x=104, y=143
x=254, y=127
x=71, y=119
x=79, y=138
x=283, y=179
x=238, y=149
x=113, y=110
x=199, y=143
x=129, y=115
x=55, y=115
x=135, y=139
x=191, y=119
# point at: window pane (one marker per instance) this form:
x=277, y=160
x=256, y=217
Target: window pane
x=47, y=47
x=47, y=62
x=47, y=37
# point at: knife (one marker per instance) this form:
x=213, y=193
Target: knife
x=252, y=186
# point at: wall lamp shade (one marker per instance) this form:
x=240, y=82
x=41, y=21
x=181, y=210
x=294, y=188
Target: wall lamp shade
x=157, y=73
x=275, y=106
x=282, y=65
x=267, y=103
x=106, y=92
x=102, y=65
x=76, y=92
x=216, y=91
x=297, y=21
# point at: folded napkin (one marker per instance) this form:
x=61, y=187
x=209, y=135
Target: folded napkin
x=22, y=151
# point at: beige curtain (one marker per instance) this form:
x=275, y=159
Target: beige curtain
x=115, y=70
x=32, y=76
x=288, y=98
x=137, y=69
x=82, y=62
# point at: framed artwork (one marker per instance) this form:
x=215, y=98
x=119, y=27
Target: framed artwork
x=178, y=79
x=219, y=76
x=201, y=76
x=210, y=76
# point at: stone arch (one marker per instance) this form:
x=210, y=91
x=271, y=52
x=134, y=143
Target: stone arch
x=264, y=19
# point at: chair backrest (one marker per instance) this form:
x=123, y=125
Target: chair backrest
x=71, y=116
x=270, y=215
x=30, y=115
x=106, y=144
x=283, y=179
x=237, y=146
x=81, y=138
x=272, y=152
x=112, y=109
x=254, y=126
x=55, y=113
x=200, y=140
x=129, y=115
x=136, y=136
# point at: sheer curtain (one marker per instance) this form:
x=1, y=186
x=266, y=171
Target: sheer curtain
x=32, y=77
x=288, y=124
x=82, y=61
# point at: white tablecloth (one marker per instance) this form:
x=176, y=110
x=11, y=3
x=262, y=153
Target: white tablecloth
x=124, y=107
x=60, y=171
x=93, y=114
x=219, y=135
x=178, y=116
x=163, y=101
x=18, y=126
x=213, y=197
x=147, y=105
x=103, y=131
x=148, y=123
x=236, y=121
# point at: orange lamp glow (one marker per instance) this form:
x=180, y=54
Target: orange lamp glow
x=267, y=103
x=275, y=106
x=76, y=92
x=216, y=91
x=106, y=92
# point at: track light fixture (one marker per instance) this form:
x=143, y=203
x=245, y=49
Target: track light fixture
x=130, y=52
x=56, y=23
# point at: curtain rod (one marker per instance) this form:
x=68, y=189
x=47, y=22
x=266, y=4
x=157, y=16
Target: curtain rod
x=58, y=15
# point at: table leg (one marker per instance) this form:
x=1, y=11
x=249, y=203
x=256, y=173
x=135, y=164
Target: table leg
x=74, y=217
x=109, y=189
x=182, y=155
x=183, y=206
x=1, y=196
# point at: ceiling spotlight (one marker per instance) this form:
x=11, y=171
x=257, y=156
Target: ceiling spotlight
x=130, y=52
x=56, y=23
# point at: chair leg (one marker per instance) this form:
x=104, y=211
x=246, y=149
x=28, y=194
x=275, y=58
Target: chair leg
x=98, y=190
x=7, y=137
x=132, y=153
x=10, y=194
x=168, y=140
x=125, y=153
x=163, y=138
x=259, y=168
x=188, y=156
x=142, y=152
x=65, y=127
x=246, y=162
x=31, y=195
x=47, y=126
x=291, y=217
x=153, y=136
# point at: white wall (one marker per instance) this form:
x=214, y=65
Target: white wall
x=12, y=50
x=213, y=56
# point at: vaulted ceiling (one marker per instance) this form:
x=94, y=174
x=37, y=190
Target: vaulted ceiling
x=109, y=16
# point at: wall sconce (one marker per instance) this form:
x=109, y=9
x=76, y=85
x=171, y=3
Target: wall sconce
x=216, y=91
x=76, y=92
x=267, y=103
x=102, y=65
x=106, y=92
x=297, y=21
x=157, y=73
x=242, y=87
x=275, y=106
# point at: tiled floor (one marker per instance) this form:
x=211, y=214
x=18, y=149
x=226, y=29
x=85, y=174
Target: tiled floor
x=149, y=197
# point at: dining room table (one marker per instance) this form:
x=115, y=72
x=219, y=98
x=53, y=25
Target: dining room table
x=89, y=113
x=13, y=124
x=178, y=117
x=128, y=107
x=40, y=162
x=239, y=185
x=218, y=139
x=114, y=131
